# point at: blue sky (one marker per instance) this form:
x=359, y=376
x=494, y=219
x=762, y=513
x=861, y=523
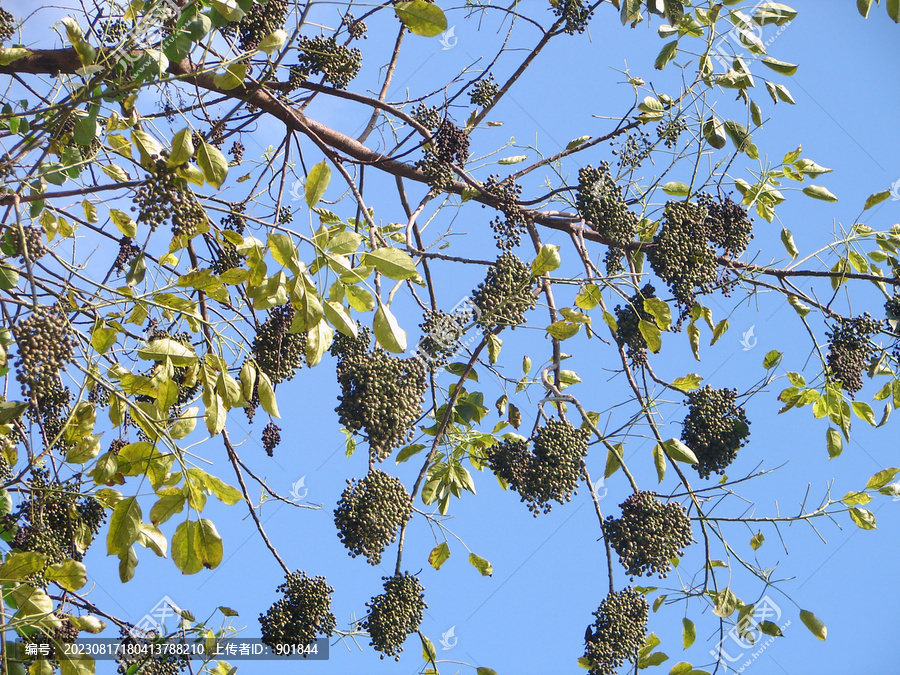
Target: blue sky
x=549, y=572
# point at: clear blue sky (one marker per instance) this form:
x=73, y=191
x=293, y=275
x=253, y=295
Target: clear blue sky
x=549, y=572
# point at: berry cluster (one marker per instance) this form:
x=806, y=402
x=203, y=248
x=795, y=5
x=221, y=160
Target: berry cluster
x=51, y=408
x=441, y=333
x=394, y=614
x=132, y=655
x=484, y=92
x=648, y=534
x=618, y=631
x=277, y=352
x=256, y=24
x=670, y=129
x=380, y=394
x=428, y=116
x=53, y=522
x=7, y=25
x=628, y=318
x=575, y=13
x=505, y=294
x=165, y=196
x=508, y=229
x=449, y=145
x=370, y=512
x=892, y=312
x=633, y=150
x=303, y=613
x=356, y=28
x=31, y=245
x=226, y=257
x=337, y=64
x=715, y=429
x=50, y=638
x=235, y=220
x=113, y=31
x=681, y=255
x=550, y=472
x=128, y=251
x=271, y=437
x=850, y=350
x=44, y=339
x=727, y=223
x=599, y=201
x=237, y=152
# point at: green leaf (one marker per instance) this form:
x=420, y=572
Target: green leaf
x=666, y=54
x=485, y=671
x=547, y=260
x=864, y=518
x=229, y=9
x=653, y=659
x=124, y=526
x=856, y=498
x=772, y=359
x=720, y=330
x=893, y=10
x=652, y=335
x=494, y=344
x=9, y=278
x=659, y=461
x=694, y=338
x=680, y=452
x=864, y=411
x=512, y=159
x=409, y=451
x=481, y=565
x=421, y=17
x=213, y=164
x=682, y=667
x=726, y=603
x=660, y=311
x=882, y=478
x=688, y=382
x=359, y=298
x=876, y=198
x=196, y=545
x=316, y=183
x=676, y=189
x=798, y=306
x=69, y=574
x=428, y=651
x=273, y=41
x=103, y=338
x=182, y=148
x=612, y=462
x=788, y=240
x=123, y=223
x=688, y=632
x=267, y=394
x=757, y=540
x=167, y=348
x=392, y=263
x=835, y=443
x=388, y=332
x=815, y=625
x=588, y=297
x=439, y=555
x=10, y=54
x=18, y=566
x=810, y=168
x=819, y=192
x=781, y=67
x=581, y=140
x=864, y=6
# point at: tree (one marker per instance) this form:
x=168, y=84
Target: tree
x=155, y=288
